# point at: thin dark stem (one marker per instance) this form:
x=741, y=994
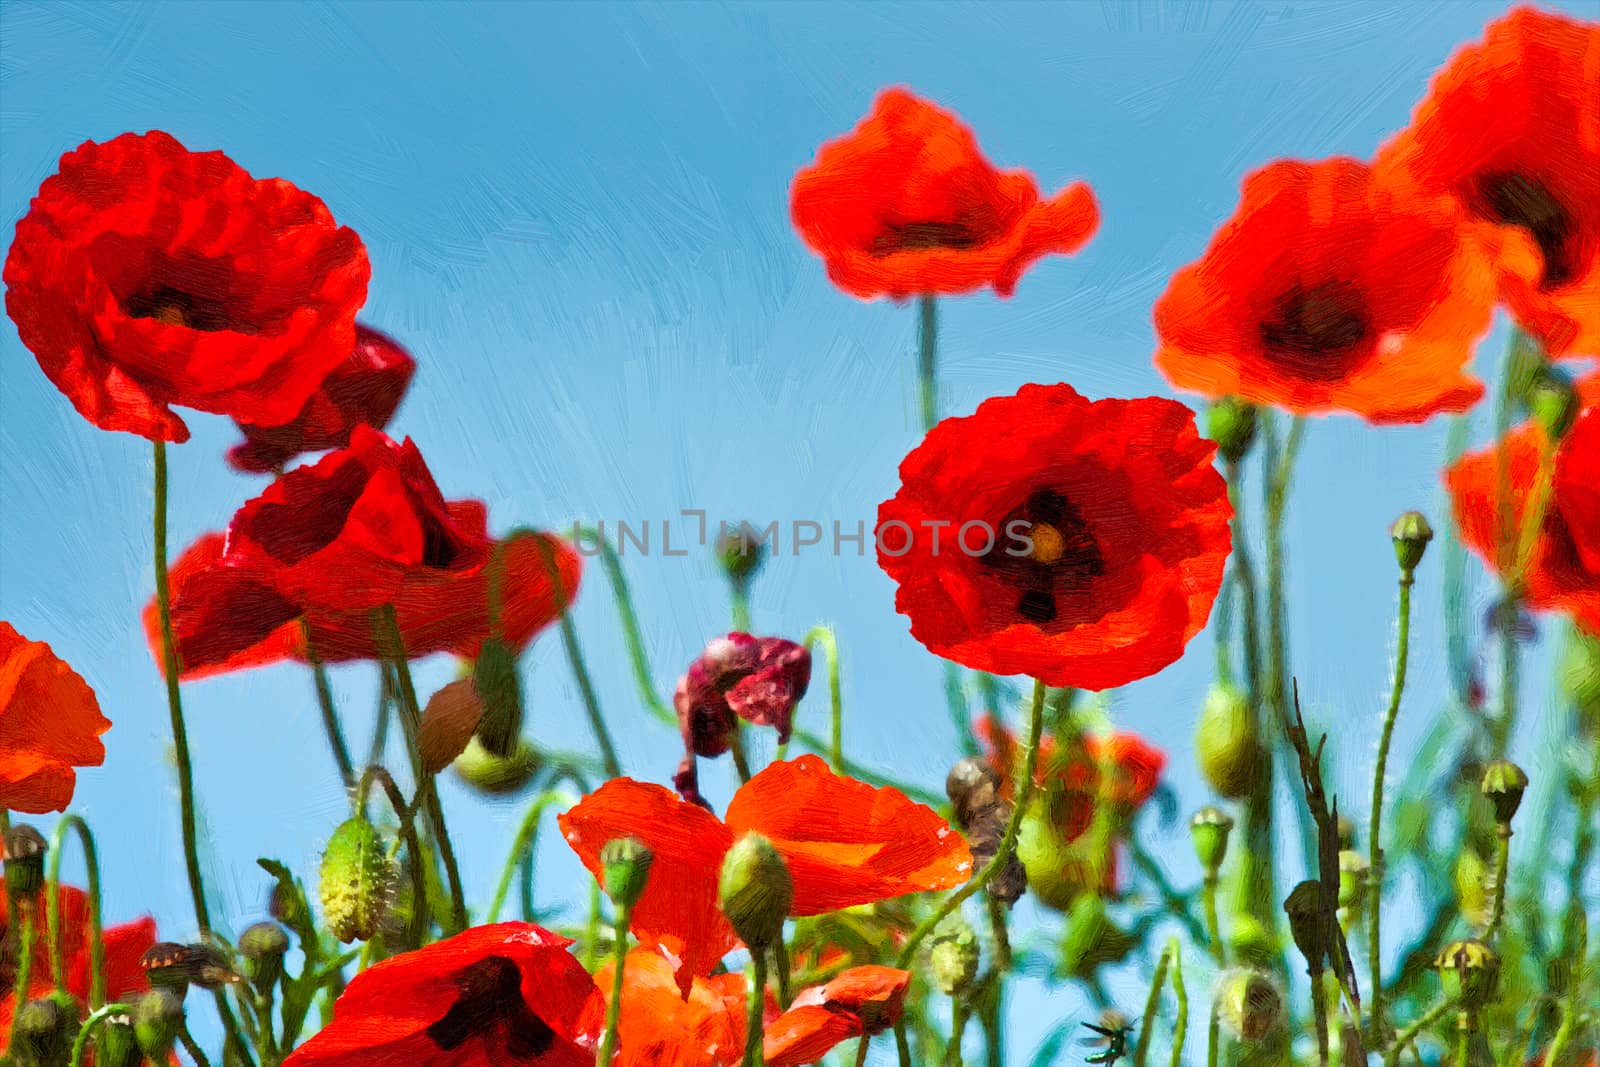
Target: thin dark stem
x=958, y=1029
x=330, y=713
x=1404, y=1038
x=608, y=1043
x=756, y=1002
x=1255, y=865
x=19, y=991
x=97, y=945
x=1152, y=1004
x=630, y=629
x=928, y=358
x=1375, y=826
x=1319, y=1011
x=375, y=774
x=522, y=847
x=1180, y=1029
x=780, y=963
x=1502, y=868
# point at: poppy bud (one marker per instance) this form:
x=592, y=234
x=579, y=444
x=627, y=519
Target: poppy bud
x=1252, y=942
x=1469, y=970
x=1092, y=940
x=25, y=848
x=625, y=863
x=263, y=946
x=953, y=959
x=287, y=902
x=498, y=775
x=44, y=1030
x=1053, y=869
x=1504, y=783
x=1579, y=676
x=1228, y=743
x=157, y=1021
x=1209, y=829
x=972, y=786
x=358, y=878
x=1231, y=423
x=741, y=552
x=1411, y=534
x=1553, y=402
x=1307, y=921
x=174, y=966
x=116, y=1045
x=1353, y=870
x=499, y=687
x=1249, y=1004
x=448, y=722
x=755, y=891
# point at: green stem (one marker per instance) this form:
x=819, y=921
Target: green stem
x=1208, y=896
x=927, y=359
x=739, y=597
x=1375, y=826
x=1214, y=1035
x=523, y=846
x=330, y=713
x=24, y=977
x=180, y=735
x=97, y=946
x=1463, y=1040
x=408, y=833
x=192, y=1047
x=411, y=725
x=902, y=1046
x=386, y=703
x=755, y=1005
x=1152, y=1004
x=591, y=703
x=1502, y=869
x=629, y=620
x=1571, y=1003
x=1255, y=866
x=591, y=940
x=1024, y=793
x=96, y=1017
x=861, y=1050
x=780, y=962
x=1180, y=1029
x=1404, y=1039
x=608, y=1043
x=1319, y=1010
x=955, y=694
x=824, y=637
x=958, y=1028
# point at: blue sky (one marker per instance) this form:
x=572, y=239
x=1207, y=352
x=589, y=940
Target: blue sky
x=577, y=219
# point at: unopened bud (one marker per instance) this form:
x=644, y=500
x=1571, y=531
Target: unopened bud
x=741, y=552
x=1252, y=941
x=448, y=721
x=116, y=1045
x=953, y=957
x=1411, y=534
x=25, y=848
x=972, y=786
x=1308, y=921
x=498, y=775
x=1504, y=783
x=1092, y=940
x=44, y=1029
x=358, y=879
x=1249, y=1004
x=1231, y=423
x=1553, y=402
x=1469, y=970
x=174, y=966
x=755, y=890
x=500, y=688
x=157, y=1021
x=1209, y=829
x=263, y=946
x=625, y=864
x=1228, y=743
x=1353, y=869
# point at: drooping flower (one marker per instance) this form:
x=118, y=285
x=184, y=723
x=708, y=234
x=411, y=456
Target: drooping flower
x=125, y=945
x=906, y=204
x=1562, y=571
x=508, y=993
x=1330, y=290
x=146, y=276
x=758, y=679
x=1511, y=127
x=50, y=722
x=364, y=390
x=332, y=541
x=1079, y=542
x=844, y=843
x=661, y=1027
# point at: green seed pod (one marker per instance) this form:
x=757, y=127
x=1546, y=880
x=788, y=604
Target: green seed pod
x=358, y=878
x=1249, y=1005
x=740, y=552
x=498, y=775
x=1231, y=423
x=44, y=1030
x=1411, y=534
x=755, y=891
x=157, y=1021
x=116, y=1044
x=500, y=688
x=1504, y=783
x=625, y=866
x=263, y=946
x=1469, y=970
x=953, y=957
x=25, y=848
x=1228, y=743
x=1209, y=830
x=1553, y=402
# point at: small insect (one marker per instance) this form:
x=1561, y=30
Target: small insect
x=1115, y=1040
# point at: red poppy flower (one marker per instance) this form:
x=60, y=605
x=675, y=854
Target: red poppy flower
x=905, y=204
x=1511, y=126
x=50, y=722
x=373, y=510
x=125, y=945
x=145, y=275
x=758, y=679
x=1331, y=291
x=364, y=390
x=1078, y=542
x=658, y=1027
x=1563, y=570
x=509, y=993
x=845, y=844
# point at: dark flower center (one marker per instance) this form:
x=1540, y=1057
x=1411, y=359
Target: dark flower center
x=1318, y=333
x=1064, y=556
x=488, y=1005
x=1519, y=200
x=917, y=236
x=177, y=308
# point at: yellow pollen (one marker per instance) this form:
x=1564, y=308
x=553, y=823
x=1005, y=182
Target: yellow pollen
x=1048, y=544
x=171, y=315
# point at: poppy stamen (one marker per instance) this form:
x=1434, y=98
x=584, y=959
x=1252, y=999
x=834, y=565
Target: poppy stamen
x=1318, y=333
x=489, y=1002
